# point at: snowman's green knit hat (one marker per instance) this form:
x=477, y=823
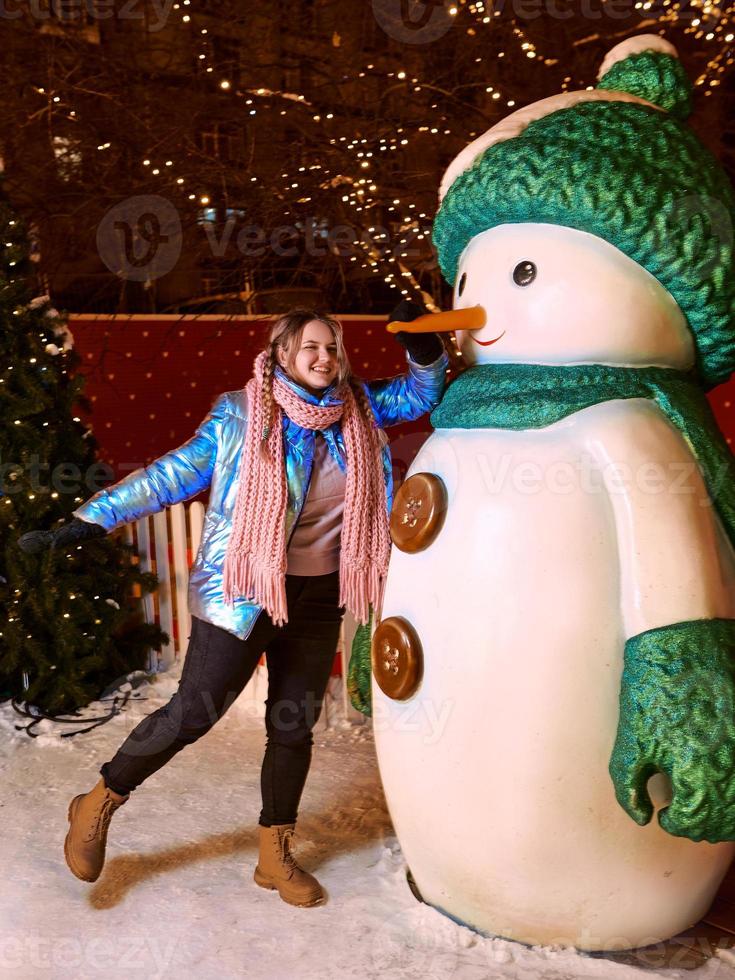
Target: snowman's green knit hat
x=619, y=162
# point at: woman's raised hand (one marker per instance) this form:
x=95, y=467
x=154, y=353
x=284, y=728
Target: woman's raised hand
x=422, y=348
x=68, y=534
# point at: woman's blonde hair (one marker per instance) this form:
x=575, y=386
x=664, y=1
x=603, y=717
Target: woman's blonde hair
x=286, y=333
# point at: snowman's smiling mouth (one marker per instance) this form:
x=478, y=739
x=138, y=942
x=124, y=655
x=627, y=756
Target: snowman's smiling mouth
x=487, y=343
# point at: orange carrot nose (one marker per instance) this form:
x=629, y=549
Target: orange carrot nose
x=470, y=318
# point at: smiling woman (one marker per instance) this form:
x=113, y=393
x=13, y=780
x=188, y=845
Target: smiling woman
x=311, y=352
x=300, y=485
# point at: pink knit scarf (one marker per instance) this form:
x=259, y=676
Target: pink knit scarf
x=255, y=563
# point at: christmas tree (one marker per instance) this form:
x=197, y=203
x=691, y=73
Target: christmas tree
x=69, y=624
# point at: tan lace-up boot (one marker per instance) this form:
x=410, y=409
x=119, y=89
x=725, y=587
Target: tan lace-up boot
x=89, y=816
x=277, y=868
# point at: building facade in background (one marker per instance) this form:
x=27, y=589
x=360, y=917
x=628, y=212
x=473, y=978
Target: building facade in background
x=193, y=156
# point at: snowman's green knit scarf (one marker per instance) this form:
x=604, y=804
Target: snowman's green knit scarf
x=532, y=396
x=677, y=700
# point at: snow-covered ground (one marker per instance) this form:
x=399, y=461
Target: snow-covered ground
x=177, y=898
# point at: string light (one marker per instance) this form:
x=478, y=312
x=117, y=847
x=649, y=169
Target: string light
x=705, y=20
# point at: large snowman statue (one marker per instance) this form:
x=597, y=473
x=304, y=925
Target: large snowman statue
x=554, y=666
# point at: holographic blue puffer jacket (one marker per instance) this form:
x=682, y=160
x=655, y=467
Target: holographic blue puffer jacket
x=211, y=459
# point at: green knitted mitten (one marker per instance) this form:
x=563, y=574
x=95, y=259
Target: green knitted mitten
x=360, y=671
x=677, y=716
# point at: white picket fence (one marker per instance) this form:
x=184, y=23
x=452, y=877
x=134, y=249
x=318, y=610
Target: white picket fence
x=167, y=544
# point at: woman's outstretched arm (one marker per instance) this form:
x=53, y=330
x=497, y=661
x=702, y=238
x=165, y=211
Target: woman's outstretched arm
x=176, y=476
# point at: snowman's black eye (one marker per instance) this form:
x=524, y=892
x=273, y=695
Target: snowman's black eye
x=524, y=273
x=462, y=283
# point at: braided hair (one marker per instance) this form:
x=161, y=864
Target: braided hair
x=363, y=403
x=268, y=372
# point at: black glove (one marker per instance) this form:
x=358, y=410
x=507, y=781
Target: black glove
x=423, y=348
x=72, y=533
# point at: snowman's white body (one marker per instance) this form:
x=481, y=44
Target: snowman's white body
x=559, y=544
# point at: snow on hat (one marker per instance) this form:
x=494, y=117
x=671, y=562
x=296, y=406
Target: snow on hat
x=619, y=162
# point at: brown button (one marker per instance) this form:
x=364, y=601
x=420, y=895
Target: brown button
x=418, y=512
x=398, y=661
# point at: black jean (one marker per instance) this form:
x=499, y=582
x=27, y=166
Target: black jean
x=217, y=667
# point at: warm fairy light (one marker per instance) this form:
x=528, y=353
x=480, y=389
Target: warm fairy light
x=710, y=25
